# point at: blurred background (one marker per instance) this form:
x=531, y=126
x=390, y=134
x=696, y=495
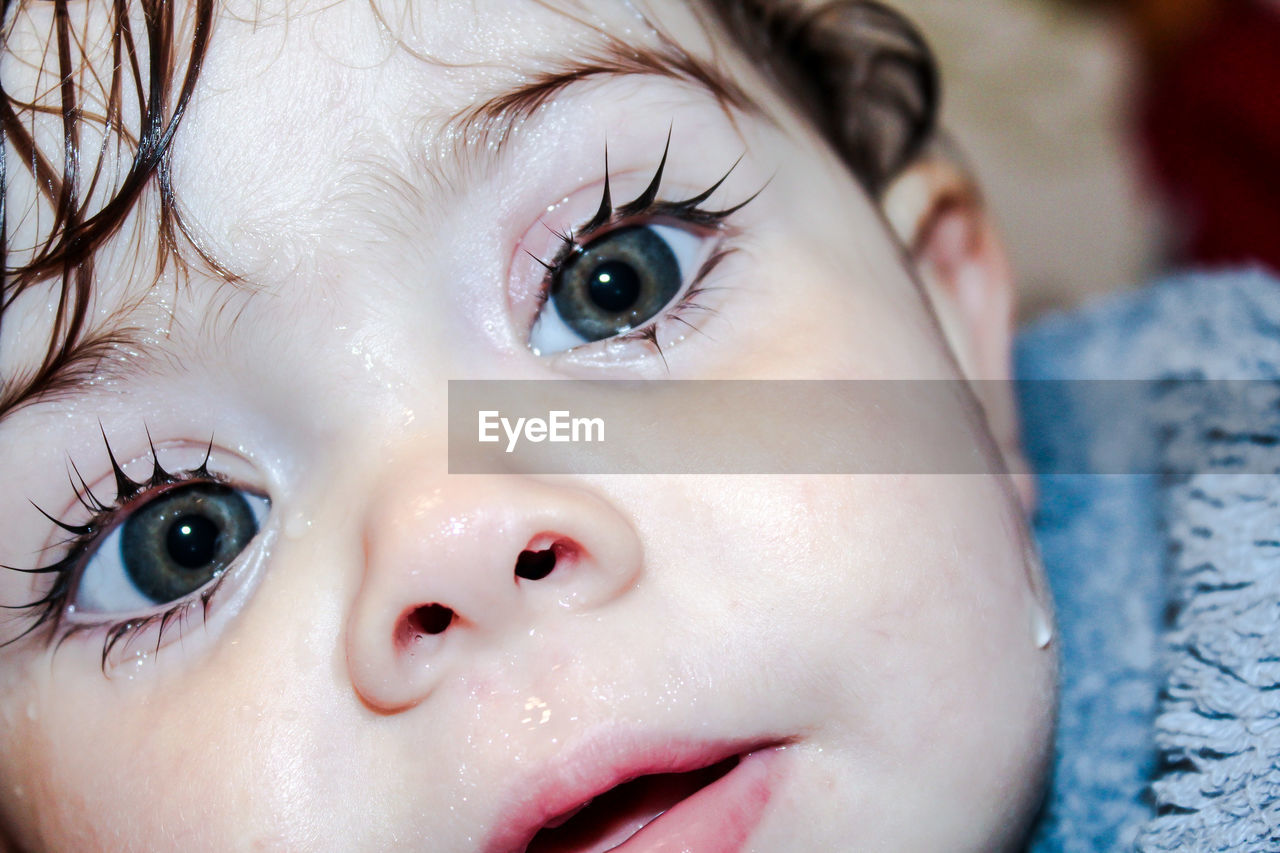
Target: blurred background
x=1116, y=139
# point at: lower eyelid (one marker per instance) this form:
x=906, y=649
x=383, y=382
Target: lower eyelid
x=115, y=586
x=647, y=348
x=691, y=245
x=139, y=641
x=695, y=256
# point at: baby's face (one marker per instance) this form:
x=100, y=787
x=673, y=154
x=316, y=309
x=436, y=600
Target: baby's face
x=309, y=636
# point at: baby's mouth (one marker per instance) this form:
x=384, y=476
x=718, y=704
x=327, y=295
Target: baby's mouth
x=608, y=820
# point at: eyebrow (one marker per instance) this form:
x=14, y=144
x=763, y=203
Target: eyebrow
x=497, y=117
x=117, y=350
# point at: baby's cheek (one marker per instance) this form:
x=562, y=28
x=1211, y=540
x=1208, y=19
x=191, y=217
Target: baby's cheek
x=903, y=596
x=920, y=617
x=66, y=782
x=167, y=763
x=62, y=778
x=21, y=747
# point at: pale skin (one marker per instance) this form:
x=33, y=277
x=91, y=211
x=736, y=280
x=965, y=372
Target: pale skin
x=882, y=628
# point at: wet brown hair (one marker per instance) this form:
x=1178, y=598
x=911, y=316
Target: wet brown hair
x=85, y=214
x=858, y=71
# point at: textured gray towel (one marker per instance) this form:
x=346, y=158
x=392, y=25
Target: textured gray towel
x=1219, y=723
x=1167, y=591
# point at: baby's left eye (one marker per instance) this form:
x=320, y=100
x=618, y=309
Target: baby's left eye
x=168, y=548
x=615, y=284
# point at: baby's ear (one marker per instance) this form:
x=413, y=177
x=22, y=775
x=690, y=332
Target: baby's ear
x=936, y=211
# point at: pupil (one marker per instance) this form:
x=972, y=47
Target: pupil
x=193, y=541
x=615, y=286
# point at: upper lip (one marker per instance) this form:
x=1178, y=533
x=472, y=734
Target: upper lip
x=574, y=777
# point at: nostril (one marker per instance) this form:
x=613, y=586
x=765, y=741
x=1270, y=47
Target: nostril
x=430, y=619
x=535, y=565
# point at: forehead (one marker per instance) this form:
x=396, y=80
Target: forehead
x=317, y=128
x=312, y=110
x=292, y=98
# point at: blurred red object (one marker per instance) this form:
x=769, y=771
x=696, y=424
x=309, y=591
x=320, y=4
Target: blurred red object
x=1210, y=121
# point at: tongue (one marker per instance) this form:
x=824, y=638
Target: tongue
x=616, y=815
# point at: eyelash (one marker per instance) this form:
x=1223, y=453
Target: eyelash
x=649, y=208
x=50, y=611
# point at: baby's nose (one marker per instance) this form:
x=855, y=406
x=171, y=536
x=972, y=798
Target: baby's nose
x=456, y=566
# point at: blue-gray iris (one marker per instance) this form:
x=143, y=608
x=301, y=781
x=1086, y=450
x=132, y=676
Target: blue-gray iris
x=185, y=538
x=616, y=283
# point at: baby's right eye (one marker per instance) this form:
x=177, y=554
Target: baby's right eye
x=146, y=563
x=168, y=548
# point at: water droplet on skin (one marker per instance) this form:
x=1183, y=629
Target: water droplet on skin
x=297, y=526
x=1041, y=626
x=537, y=712
x=33, y=713
x=1041, y=619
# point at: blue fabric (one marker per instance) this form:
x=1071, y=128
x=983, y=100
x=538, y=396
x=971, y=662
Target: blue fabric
x=1102, y=536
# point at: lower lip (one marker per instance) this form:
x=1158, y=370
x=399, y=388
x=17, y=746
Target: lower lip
x=719, y=818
